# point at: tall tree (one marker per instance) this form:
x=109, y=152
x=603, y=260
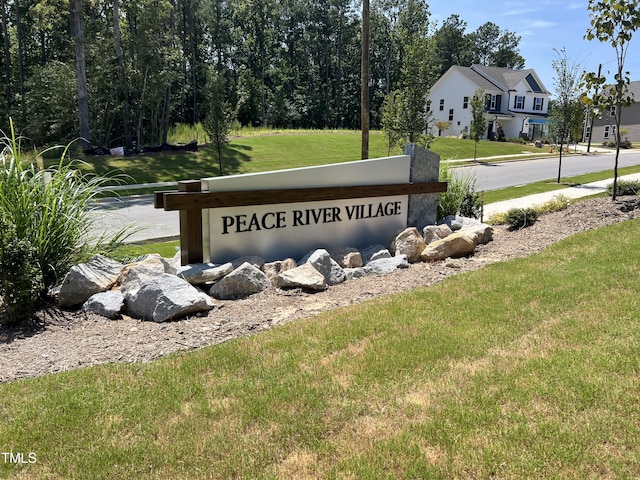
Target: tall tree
x=77, y=31
x=452, y=44
x=613, y=22
x=567, y=98
x=122, y=81
x=496, y=47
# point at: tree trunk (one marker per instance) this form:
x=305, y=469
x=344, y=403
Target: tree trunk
x=77, y=31
x=7, y=55
x=560, y=162
x=124, y=89
x=364, y=92
x=20, y=59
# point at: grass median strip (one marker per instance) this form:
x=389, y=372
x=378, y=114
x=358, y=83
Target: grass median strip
x=524, y=368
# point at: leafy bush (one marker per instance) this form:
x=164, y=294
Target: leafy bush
x=461, y=196
x=624, y=187
x=521, y=217
x=49, y=215
x=20, y=278
x=556, y=204
x=626, y=144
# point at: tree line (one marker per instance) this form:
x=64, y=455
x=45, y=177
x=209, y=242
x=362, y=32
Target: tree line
x=122, y=73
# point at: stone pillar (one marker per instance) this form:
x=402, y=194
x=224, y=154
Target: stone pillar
x=425, y=167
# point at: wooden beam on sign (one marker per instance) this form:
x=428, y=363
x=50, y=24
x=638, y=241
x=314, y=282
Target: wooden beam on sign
x=194, y=199
x=191, y=250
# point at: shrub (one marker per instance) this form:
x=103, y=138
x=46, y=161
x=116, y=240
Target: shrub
x=624, y=187
x=461, y=196
x=521, y=217
x=556, y=204
x=20, y=277
x=49, y=215
x=626, y=144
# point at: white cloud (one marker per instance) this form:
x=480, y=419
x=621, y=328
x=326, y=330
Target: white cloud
x=543, y=24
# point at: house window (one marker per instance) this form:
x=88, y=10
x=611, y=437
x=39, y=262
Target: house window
x=587, y=134
x=428, y=106
x=519, y=102
x=465, y=102
x=442, y=105
x=613, y=111
x=451, y=114
x=538, y=103
x=607, y=129
x=493, y=102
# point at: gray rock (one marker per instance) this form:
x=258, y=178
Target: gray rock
x=346, y=257
x=166, y=297
x=134, y=275
x=386, y=265
x=328, y=267
x=242, y=282
x=431, y=233
x=168, y=264
x=273, y=269
x=484, y=231
x=107, y=304
x=374, y=252
x=353, y=273
x=456, y=222
x=254, y=260
x=83, y=280
x=305, y=276
x=409, y=242
x=199, y=273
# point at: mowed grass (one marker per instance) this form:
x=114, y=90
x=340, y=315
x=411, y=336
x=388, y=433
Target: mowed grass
x=523, y=369
x=260, y=153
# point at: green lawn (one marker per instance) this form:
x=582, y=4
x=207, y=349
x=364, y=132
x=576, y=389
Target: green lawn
x=261, y=153
x=524, y=369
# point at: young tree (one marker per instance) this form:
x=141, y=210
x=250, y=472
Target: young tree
x=478, y=119
x=613, y=22
x=567, y=97
x=217, y=123
x=391, y=123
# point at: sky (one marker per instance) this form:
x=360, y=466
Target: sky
x=544, y=25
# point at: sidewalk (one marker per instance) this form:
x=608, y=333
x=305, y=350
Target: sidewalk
x=584, y=190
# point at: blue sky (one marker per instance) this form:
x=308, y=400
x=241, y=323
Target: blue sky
x=543, y=25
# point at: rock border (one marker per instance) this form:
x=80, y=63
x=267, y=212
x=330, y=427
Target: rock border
x=159, y=289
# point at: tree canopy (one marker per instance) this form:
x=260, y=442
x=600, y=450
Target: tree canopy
x=122, y=73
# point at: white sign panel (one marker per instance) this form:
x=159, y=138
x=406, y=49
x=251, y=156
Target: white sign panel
x=279, y=231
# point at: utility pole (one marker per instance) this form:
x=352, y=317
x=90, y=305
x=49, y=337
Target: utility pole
x=364, y=91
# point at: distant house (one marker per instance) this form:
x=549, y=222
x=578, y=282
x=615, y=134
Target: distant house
x=516, y=100
x=604, y=127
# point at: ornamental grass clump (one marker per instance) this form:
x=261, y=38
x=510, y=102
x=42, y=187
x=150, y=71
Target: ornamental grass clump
x=624, y=187
x=461, y=197
x=46, y=213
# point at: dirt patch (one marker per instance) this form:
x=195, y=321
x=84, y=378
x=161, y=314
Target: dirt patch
x=59, y=340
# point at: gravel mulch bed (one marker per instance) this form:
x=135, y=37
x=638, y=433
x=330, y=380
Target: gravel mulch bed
x=61, y=340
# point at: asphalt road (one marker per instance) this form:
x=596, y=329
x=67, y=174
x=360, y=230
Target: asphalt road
x=492, y=176
x=150, y=223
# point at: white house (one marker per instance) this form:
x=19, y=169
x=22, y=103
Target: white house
x=516, y=100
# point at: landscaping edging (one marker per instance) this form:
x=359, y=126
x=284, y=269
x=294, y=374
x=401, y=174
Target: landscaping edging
x=159, y=289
